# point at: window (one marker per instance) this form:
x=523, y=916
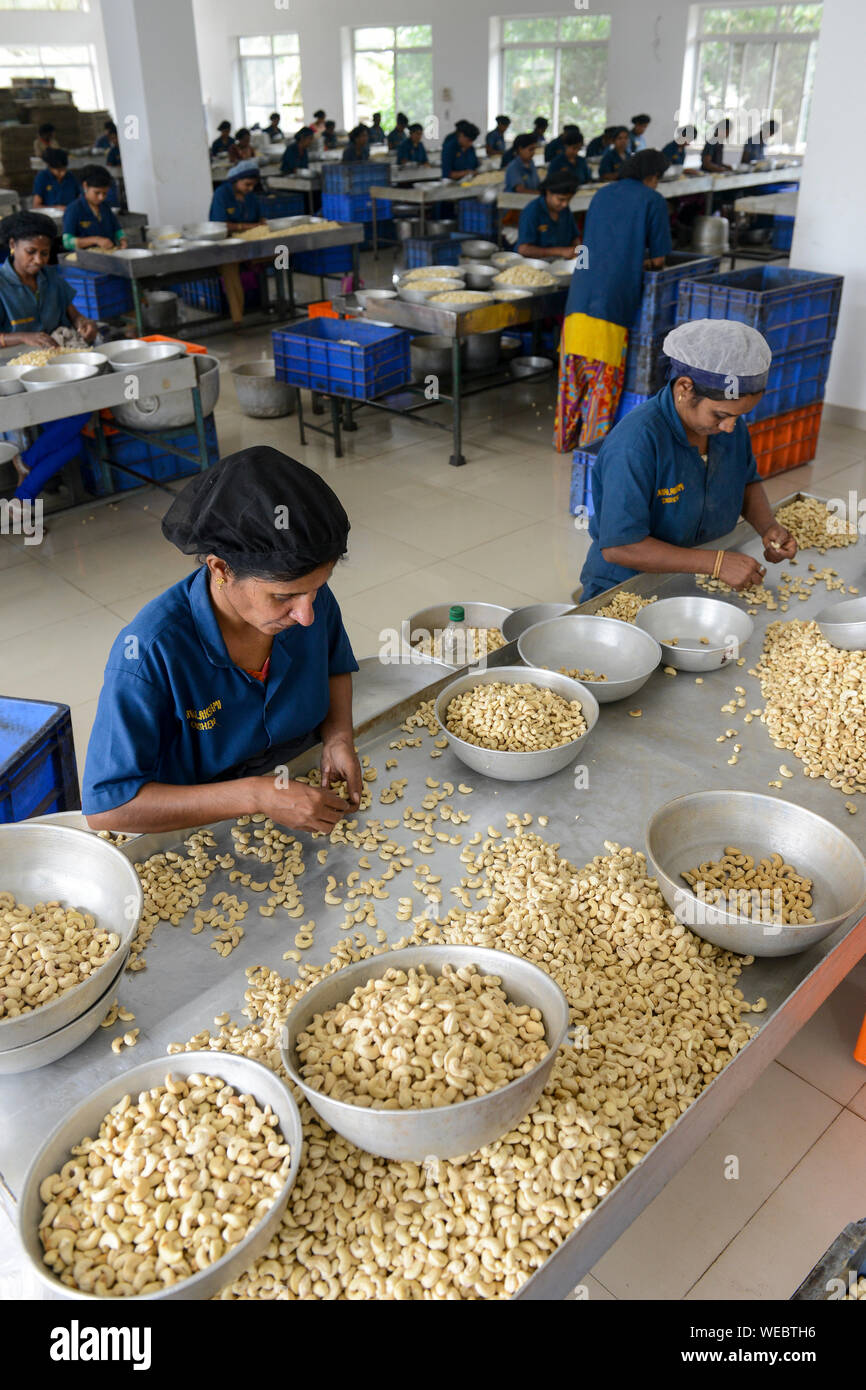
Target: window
x=758, y=62
x=82, y=6
x=555, y=67
x=72, y=67
x=271, y=80
x=394, y=72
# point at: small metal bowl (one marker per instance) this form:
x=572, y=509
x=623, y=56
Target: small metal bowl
x=509, y=347
x=428, y=621
x=42, y=1053
x=518, y=767
x=85, y=359
x=620, y=651
x=522, y=619
x=844, y=624
x=10, y=381
x=42, y=378
x=478, y=250
x=206, y=231
x=111, y=350
x=44, y=863
x=530, y=366
x=146, y=356
x=369, y=298
x=503, y=259
x=478, y=276
x=448, y=1130
x=507, y=295
x=246, y=1077
x=694, y=828
x=690, y=617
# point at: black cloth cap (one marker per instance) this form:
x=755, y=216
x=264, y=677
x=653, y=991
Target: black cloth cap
x=260, y=511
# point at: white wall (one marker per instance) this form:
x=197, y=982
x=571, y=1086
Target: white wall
x=63, y=27
x=831, y=209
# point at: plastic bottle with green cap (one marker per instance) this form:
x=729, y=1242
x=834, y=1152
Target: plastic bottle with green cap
x=454, y=638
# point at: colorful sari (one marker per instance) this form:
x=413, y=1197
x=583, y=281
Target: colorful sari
x=591, y=377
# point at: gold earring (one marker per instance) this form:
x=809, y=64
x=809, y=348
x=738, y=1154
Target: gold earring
x=220, y=583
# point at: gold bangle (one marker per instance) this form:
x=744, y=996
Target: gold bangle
x=720, y=555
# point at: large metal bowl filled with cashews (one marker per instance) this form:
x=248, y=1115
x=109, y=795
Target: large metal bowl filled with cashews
x=693, y=829
x=620, y=652
x=448, y=1130
x=517, y=766
x=48, y=863
x=843, y=625
x=247, y=1078
x=709, y=633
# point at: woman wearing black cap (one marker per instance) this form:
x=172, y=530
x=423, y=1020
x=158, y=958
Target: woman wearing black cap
x=235, y=670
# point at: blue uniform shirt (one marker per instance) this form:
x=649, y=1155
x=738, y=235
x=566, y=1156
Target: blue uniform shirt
x=674, y=152
x=455, y=160
x=553, y=148
x=579, y=170
x=595, y=147
x=56, y=192
x=175, y=708
x=228, y=205
x=518, y=172
x=79, y=220
x=752, y=150
x=538, y=228
x=351, y=156
x=413, y=154
x=636, y=142
x=495, y=139
x=103, y=143
x=293, y=159
x=507, y=156
x=625, y=223
x=377, y=135
x=396, y=138
x=22, y=311
x=112, y=157
x=611, y=162
x=715, y=150
x=648, y=480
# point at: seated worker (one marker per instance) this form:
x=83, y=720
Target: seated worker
x=398, y=134
x=539, y=129
x=297, y=154
x=547, y=229
x=677, y=473
x=459, y=157
x=90, y=221
x=521, y=175
x=412, y=150
x=713, y=156
x=377, y=134
x=236, y=201
x=112, y=155
x=357, y=150
x=35, y=301
x=318, y=123
x=55, y=187
x=223, y=143
x=600, y=143
x=272, y=129
x=45, y=140
x=753, y=149
x=103, y=142
x=571, y=161
x=494, y=140
x=238, y=668
x=242, y=148
x=329, y=135
x=675, y=150
x=555, y=146
x=615, y=155
x=637, y=134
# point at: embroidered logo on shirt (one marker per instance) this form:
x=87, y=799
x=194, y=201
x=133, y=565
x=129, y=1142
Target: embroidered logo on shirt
x=202, y=719
x=670, y=494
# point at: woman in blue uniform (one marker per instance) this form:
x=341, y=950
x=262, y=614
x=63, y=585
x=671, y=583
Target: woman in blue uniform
x=357, y=151
x=494, y=141
x=398, y=134
x=571, y=161
x=55, y=187
x=713, y=155
x=223, y=143
x=90, y=221
x=521, y=175
x=377, y=134
x=458, y=155
x=297, y=154
x=679, y=471
x=627, y=230
x=231, y=673
x=675, y=150
x=412, y=150
x=615, y=155
x=637, y=135
x=235, y=201
x=547, y=229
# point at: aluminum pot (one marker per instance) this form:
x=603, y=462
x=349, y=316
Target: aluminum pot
x=450, y=1130
x=482, y=350
x=404, y=227
x=175, y=409
x=162, y=311
x=530, y=366
x=710, y=234
x=443, y=227
x=430, y=353
x=477, y=275
x=259, y=393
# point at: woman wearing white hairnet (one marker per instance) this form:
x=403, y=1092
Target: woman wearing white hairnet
x=679, y=471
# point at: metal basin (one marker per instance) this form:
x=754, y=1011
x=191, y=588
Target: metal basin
x=165, y=232
x=44, y=863
x=619, y=651
x=478, y=276
x=133, y=253
x=442, y=227
x=206, y=231
x=41, y=378
x=369, y=298
x=482, y=350
x=259, y=393
x=509, y=347
x=10, y=381
x=690, y=617
x=161, y=311
x=518, y=767
x=413, y=296
x=530, y=366
x=507, y=295
x=478, y=300
x=406, y=227
x=478, y=250
x=430, y=352
x=246, y=1077
x=424, y=272
x=146, y=356
x=175, y=409
x=450, y=1130
x=34, y=1055
x=428, y=621
x=86, y=359
x=522, y=619
x=112, y=350
x=503, y=259
x=844, y=624
x=692, y=829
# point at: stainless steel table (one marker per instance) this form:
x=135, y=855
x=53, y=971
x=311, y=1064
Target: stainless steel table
x=434, y=190
x=684, y=186
x=297, y=183
x=671, y=750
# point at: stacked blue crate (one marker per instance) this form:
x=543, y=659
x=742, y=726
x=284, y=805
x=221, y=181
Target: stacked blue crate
x=98, y=296
x=316, y=355
x=38, y=772
x=283, y=205
x=147, y=457
x=331, y=260
x=478, y=217
x=580, y=503
x=431, y=251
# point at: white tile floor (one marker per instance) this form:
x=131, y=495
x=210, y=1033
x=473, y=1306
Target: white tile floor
x=497, y=530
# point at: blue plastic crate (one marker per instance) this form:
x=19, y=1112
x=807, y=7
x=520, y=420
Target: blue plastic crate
x=97, y=295
x=797, y=378
x=283, y=204
x=581, y=479
x=354, y=178
x=38, y=773
x=475, y=216
x=148, y=458
x=310, y=354
x=646, y=366
x=431, y=251
x=206, y=294
x=658, y=306
x=354, y=207
x=330, y=260
x=783, y=233
x=629, y=401
x=790, y=307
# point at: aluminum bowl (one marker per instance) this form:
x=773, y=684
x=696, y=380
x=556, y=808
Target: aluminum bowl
x=86, y=359
x=690, y=617
x=844, y=624
x=432, y=352
x=133, y=253
x=421, y=296
x=478, y=250
x=10, y=380
x=518, y=767
x=428, y=621
x=166, y=231
x=482, y=298
x=368, y=299
x=41, y=863
x=694, y=828
x=443, y=226
x=478, y=275
x=503, y=259
x=522, y=619
x=508, y=296
x=564, y=268
x=111, y=350
x=42, y=378
x=620, y=651
x=72, y=820
x=206, y=231
x=148, y=355
x=530, y=366
x=34, y=1055
x=449, y=1130
x=245, y=1076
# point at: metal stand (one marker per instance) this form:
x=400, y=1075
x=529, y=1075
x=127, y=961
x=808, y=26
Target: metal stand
x=456, y=460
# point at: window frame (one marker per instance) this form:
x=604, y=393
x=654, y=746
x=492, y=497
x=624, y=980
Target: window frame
x=557, y=43
x=39, y=68
x=394, y=50
x=271, y=57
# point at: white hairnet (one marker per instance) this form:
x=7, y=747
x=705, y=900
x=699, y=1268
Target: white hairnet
x=721, y=348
